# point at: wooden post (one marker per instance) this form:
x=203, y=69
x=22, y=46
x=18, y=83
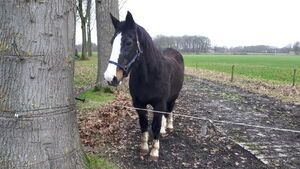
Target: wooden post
x=232, y=70
x=294, y=78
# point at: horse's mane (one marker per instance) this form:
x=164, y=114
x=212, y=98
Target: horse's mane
x=151, y=54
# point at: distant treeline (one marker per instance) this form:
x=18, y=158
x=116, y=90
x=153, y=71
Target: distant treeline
x=252, y=49
x=184, y=44
x=201, y=44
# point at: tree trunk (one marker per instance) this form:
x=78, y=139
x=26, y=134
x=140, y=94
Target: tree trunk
x=89, y=40
x=105, y=31
x=84, y=43
x=38, y=128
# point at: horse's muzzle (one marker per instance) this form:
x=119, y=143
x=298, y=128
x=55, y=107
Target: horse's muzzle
x=114, y=82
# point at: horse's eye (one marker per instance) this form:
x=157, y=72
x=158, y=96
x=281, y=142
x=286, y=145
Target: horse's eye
x=128, y=43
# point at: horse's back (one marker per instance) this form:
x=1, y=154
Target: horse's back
x=176, y=69
x=172, y=53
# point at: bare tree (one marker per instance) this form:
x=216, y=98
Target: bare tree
x=121, y=4
x=186, y=44
x=38, y=128
x=84, y=16
x=89, y=28
x=105, y=31
x=296, y=48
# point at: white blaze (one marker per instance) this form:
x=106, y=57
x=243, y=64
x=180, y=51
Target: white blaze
x=111, y=70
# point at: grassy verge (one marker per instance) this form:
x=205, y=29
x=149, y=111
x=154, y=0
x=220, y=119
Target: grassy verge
x=85, y=72
x=275, y=89
x=96, y=162
x=95, y=98
x=85, y=75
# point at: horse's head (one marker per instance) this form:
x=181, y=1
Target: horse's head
x=125, y=50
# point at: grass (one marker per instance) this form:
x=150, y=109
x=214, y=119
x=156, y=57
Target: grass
x=85, y=72
x=266, y=67
x=85, y=75
x=92, y=96
x=95, y=162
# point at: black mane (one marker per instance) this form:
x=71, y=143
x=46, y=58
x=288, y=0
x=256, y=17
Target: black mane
x=151, y=54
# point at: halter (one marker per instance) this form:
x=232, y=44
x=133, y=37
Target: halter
x=128, y=65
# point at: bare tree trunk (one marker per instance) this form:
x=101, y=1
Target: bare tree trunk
x=89, y=40
x=105, y=31
x=38, y=128
x=84, y=19
x=84, y=43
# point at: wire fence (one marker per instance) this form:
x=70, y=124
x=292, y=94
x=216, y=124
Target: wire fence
x=203, y=118
x=24, y=114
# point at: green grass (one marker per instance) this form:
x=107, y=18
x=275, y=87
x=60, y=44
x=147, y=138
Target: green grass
x=85, y=72
x=278, y=68
x=95, y=162
x=86, y=75
x=92, y=96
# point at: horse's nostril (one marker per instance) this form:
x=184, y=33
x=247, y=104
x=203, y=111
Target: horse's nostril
x=114, y=82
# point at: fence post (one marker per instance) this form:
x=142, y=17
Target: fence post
x=294, y=78
x=232, y=70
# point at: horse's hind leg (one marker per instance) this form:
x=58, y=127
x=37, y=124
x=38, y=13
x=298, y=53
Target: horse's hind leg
x=170, y=107
x=163, y=131
x=144, y=148
x=156, y=126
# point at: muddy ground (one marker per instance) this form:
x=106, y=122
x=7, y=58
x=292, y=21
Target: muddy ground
x=114, y=132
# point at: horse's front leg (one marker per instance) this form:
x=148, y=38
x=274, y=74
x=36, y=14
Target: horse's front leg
x=144, y=148
x=156, y=127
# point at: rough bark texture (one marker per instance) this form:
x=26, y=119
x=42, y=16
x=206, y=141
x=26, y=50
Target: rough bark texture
x=84, y=42
x=83, y=20
x=105, y=31
x=89, y=34
x=38, y=128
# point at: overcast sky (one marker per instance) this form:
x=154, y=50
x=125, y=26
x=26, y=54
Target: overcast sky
x=225, y=22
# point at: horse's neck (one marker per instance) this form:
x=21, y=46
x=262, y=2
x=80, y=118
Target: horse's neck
x=150, y=60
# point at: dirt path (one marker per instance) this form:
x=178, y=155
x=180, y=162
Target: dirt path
x=221, y=102
x=186, y=147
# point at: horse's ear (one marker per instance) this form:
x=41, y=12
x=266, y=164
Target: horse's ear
x=115, y=21
x=129, y=22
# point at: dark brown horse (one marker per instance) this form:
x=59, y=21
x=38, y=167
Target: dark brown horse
x=156, y=77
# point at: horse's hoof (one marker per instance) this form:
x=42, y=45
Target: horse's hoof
x=170, y=130
x=143, y=153
x=163, y=134
x=153, y=158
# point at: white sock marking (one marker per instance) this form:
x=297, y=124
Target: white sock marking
x=155, y=148
x=111, y=70
x=170, y=121
x=163, y=125
x=144, y=141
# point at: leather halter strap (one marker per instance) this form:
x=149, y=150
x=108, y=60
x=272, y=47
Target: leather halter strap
x=128, y=65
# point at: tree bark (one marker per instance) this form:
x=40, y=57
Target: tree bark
x=84, y=42
x=89, y=36
x=105, y=31
x=38, y=128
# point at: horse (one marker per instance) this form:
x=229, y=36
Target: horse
x=156, y=78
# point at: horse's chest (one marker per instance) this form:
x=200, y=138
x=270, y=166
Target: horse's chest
x=148, y=92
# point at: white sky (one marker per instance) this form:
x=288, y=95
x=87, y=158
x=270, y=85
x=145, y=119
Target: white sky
x=225, y=22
